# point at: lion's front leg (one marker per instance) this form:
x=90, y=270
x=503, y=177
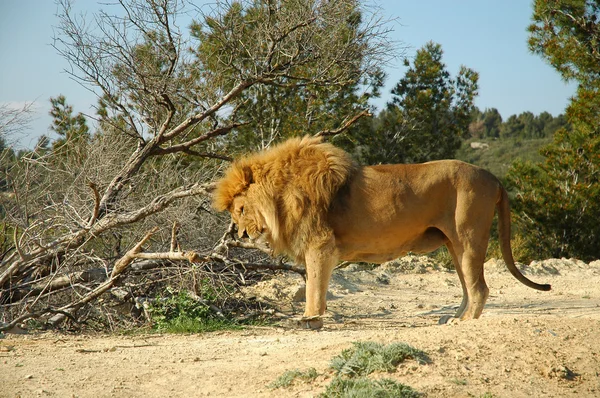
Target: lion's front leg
x=320, y=261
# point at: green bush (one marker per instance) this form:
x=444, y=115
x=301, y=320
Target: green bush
x=364, y=387
x=557, y=203
x=182, y=313
x=352, y=367
x=288, y=378
x=368, y=357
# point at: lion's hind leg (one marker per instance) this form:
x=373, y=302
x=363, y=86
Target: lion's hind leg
x=458, y=268
x=475, y=290
x=468, y=249
x=468, y=245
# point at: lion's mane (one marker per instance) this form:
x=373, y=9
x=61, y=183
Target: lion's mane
x=293, y=185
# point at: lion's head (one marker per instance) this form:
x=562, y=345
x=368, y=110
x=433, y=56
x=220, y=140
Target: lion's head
x=248, y=217
x=283, y=193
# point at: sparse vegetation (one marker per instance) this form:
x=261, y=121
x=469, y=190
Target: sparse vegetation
x=497, y=155
x=364, y=387
x=368, y=357
x=353, y=366
x=289, y=377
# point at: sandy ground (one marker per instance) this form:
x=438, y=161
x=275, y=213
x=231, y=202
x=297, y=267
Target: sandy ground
x=527, y=343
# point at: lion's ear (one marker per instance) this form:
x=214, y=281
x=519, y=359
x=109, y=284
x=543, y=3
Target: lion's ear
x=248, y=175
x=237, y=179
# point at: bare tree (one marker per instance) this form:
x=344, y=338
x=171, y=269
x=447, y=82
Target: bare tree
x=14, y=120
x=170, y=103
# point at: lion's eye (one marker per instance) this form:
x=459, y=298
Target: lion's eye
x=242, y=210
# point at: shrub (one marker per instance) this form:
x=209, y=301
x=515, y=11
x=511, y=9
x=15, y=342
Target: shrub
x=368, y=357
x=557, y=206
x=364, y=387
x=183, y=313
x=288, y=378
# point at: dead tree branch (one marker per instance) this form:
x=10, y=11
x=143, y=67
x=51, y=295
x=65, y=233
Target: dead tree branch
x=345, y=125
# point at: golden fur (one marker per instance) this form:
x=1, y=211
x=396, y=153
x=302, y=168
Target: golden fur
x=288, y=189
x=308, y=199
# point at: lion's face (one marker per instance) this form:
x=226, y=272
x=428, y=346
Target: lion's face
x=247, y=217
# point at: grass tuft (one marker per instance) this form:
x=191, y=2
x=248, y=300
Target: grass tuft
x=187, y=324
x=364, y=387
x=368, y=357
x=289, y=377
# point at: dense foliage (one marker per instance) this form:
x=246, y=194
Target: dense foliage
x=309, y=96
x=557, y=202
x=489, y=124
x=427, y=118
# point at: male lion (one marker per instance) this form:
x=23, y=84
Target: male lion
x=309, y=200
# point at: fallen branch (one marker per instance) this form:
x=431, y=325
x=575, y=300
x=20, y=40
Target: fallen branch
x=124, y=261
x=58, y=282
x=33, y=315
x=96, y=210
x=254, y=266
x=128, y=263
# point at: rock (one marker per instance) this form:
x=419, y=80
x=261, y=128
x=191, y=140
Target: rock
x=299, y=295
x=410, y=264
x=560, y=372
x=595, y=264
x=383, y=279
x=479, y=145
x=356, y=267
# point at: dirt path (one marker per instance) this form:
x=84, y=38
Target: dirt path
x=527, y=343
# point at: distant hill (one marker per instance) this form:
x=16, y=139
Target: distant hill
x=497, y=154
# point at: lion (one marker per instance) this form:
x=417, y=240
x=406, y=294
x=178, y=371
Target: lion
x=311, y=201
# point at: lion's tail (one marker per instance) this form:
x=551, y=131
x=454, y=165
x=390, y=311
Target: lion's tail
x=503, y=208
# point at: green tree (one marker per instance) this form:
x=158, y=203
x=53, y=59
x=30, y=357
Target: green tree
x=553, y=125
x=558, y=199
x=305, y=97
x=71, y=128
x=513, y=127
x=493, y=122
x=430, y=111
x=557, y=203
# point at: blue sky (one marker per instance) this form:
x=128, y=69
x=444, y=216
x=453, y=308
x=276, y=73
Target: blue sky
x=487, y=36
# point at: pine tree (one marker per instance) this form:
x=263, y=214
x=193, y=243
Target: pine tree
x=430, y=112
x=72, y=130
x=558, y=200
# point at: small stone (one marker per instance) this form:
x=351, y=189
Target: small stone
x=299, y=295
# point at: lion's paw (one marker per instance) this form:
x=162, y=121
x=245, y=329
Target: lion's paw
x=311, y=322
x=447, y=320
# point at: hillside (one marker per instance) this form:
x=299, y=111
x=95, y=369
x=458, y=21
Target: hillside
x=496, y=155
